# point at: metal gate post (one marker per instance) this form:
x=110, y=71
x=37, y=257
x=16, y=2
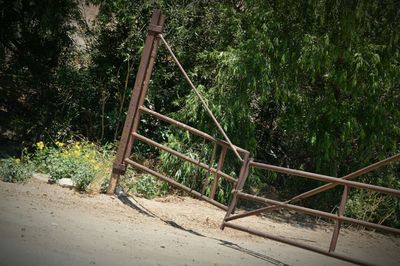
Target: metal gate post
x=216, y=175
x=138, y=95
x=341, y=210
x=244, y=171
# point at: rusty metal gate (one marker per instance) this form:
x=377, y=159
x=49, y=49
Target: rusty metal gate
x=130, y=135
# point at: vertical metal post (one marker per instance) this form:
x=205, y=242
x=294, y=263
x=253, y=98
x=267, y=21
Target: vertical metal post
x=221, y=161
x=209, y=168
x=137, y=98
x=337, y=222
x=244, y=171
x=146, y=81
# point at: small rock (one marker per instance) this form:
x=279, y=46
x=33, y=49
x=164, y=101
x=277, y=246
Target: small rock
x=162, y=246
x=41, y=177
x=65, y=182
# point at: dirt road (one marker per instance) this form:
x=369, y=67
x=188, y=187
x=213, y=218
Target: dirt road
x=42, y=224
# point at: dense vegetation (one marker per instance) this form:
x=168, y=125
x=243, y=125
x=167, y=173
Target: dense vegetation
x=312, y=85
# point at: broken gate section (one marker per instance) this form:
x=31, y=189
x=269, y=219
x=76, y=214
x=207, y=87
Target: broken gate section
x=332, y=183
x=130, y=134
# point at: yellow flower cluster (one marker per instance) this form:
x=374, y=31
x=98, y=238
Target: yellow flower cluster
x=59, y=144
x=78, y=150
x=40, y=145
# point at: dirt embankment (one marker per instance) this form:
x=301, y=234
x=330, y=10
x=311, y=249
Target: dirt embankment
x=42, y=224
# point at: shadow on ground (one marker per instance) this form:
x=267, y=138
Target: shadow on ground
x=129, y=201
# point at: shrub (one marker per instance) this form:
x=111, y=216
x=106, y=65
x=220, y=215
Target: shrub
x=80, y=161
x=149, y=187
x=374, y=207
x=14, y=170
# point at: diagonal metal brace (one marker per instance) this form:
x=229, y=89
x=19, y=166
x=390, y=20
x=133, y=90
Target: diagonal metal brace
x=119, y=169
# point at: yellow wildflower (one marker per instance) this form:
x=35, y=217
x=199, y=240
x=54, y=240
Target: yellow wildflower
x=59, y=144
x=17, y=161
x=40, y=145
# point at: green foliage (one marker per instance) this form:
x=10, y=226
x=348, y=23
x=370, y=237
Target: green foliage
x=13, y=170
x=35, y=43
x=374, y=207
x=82, y=162
x=312, y=85
x=149, y=187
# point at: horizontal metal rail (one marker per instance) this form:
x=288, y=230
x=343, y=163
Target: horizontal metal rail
x=325, y=178
x=316, y=213
x=184, y=157
x=192, y=130
x=322, y=188
x=296, y=244
x=352, y=175
x=253, y=212
x=176, y=184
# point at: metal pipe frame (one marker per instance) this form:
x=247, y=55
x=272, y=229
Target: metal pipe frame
x=339, y=218
x=350, y=176
x=184, y=157
x=138, y=93
x=200, y=97
x=205, y=184
x=326, y=178
x=342, y=208
x=221, y=161
x=322, y=188
x=176, y=184
x=244, y=171
x=296, y=244
x=129, y=135
x=192, y=130
x=317, y=213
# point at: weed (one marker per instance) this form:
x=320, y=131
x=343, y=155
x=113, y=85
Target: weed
x=83, y=162
x=14, y=170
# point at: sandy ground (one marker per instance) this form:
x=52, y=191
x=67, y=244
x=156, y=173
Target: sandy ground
x=42, y=224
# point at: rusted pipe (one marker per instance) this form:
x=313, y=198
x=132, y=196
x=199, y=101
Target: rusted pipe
x=352, y=175
x=175, y=184
x=341, y=210
x=296, y=244
x=184, y=157
x=200, y=97
x=317, y=213
x=192, y=130
x=326, y=178
x=221, y=161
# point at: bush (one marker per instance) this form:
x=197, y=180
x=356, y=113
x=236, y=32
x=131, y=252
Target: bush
x=374, y=207
x=83, y=162
x=13, y=170
x=149, y=187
